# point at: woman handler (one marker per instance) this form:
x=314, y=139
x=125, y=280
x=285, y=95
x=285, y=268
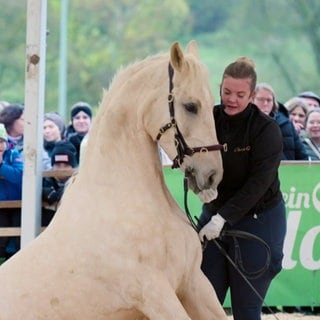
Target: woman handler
x=249, y=197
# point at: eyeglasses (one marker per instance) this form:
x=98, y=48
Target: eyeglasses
x=314, y=122
x=313, y=105
x=260, y=99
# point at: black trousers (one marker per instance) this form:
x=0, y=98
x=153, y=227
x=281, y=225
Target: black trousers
x=269, y=226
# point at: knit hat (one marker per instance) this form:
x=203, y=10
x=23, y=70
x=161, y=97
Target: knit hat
x=64, y=152
x=81, y=106
x=10, y=114
x=3, y=133
x=57, y=120
x=309, y=94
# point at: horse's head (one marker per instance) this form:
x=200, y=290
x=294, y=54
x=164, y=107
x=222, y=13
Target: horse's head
x=192, y=130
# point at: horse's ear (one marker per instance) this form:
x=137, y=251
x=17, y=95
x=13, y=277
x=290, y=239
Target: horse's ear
x=192, y=48
x=176, y=56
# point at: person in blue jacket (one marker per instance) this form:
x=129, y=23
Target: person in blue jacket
x=11, y=171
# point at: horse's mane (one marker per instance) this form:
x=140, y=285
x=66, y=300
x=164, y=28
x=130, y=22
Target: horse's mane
x=125, y=71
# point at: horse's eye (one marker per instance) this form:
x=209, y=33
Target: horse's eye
x=191, y=107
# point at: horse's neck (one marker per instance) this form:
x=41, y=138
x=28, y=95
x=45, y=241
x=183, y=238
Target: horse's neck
x=123, y=162
x=119, y=150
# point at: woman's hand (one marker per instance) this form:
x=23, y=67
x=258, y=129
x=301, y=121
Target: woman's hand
x=213, y=228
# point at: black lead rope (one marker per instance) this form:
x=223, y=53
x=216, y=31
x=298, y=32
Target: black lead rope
x=234, y=234
x=238, y=258
x=185, y=188
x=223, y=251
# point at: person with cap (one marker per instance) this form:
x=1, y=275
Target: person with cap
x=11, y=172
x=53, y=130
x=63, y=158
x=81, y=120
x=312, y=99
x=12, y=117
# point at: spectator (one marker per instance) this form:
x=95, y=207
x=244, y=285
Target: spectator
x=312, y=138
x=13, y=120
x=249, y=197
x=11, y=172
x=312, y=99
x=298, y=110
x=311, y=142
x=53, y=130
x=81, y=118
x=266, y=101
x=63, y=158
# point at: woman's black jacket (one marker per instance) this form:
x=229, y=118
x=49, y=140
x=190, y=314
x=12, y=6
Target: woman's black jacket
x=250, y=182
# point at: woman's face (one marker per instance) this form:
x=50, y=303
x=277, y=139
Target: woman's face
x=313, y=125
x=62, y=166
x=312, y=103
x=263, y=99
x=297, y=115
x=81, y=122
x=51, y=131
x=235, y=94
x=17, y=127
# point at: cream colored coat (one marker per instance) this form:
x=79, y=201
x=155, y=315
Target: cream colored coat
x=119, y=247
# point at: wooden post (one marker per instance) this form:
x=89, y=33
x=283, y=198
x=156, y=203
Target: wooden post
x=33, y=118
x=63, y=59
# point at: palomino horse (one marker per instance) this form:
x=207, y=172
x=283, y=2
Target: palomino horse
x=119, y=246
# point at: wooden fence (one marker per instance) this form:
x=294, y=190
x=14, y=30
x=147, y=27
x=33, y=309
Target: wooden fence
x=16, y=231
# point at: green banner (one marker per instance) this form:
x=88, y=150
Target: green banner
x=298, y=284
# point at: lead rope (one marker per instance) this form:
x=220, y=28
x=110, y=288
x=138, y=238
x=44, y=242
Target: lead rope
x=241, y=234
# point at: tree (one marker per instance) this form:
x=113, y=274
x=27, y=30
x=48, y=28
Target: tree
x=308, y=12
x=208, y=15
x=103, y=35
x=281, y=44
x=12, y=50
x=282, y=37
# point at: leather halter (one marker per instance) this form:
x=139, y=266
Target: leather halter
x=182, y=147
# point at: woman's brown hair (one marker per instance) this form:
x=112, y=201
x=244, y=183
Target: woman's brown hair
x=242, y=68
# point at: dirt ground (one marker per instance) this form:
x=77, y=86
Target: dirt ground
x=287, y=316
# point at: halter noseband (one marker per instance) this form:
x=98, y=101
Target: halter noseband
x=182, y=148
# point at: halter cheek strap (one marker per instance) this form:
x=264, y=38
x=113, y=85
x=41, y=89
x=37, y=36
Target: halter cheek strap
x=181, y=146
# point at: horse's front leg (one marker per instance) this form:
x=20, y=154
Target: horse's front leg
x=158, y=300
x=200, y=299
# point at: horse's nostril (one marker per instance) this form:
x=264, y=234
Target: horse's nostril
x=211, y=179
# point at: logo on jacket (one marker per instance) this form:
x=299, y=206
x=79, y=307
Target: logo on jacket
x=242, y=149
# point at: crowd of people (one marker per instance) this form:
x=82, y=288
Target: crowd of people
x=61, y=151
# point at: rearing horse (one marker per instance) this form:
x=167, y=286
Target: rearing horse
x=119, y=246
